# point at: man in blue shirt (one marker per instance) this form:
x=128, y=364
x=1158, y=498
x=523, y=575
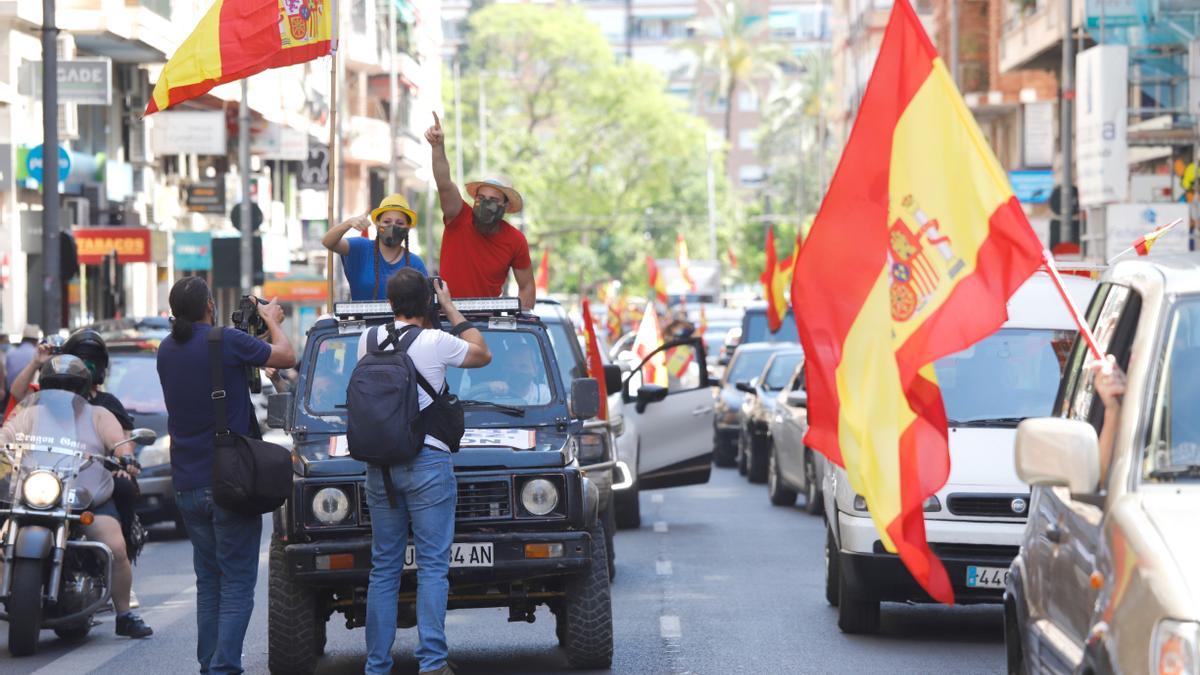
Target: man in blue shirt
x=224, y=544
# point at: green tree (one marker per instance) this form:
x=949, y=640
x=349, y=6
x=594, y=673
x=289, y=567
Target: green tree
x=610, y=165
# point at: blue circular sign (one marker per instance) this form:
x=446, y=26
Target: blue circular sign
x=34, y=163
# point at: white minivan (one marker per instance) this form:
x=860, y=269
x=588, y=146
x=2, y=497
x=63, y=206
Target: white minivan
x=975, y=522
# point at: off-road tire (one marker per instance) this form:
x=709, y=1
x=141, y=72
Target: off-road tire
x=26, y=603
x=832, y=568
x=743, y=461
x=1013, y=652
x=756, y=462
x=813, y=504
x=587, y=612
x=74, y=633
x=858, y=613
x=610, y=529
x=294, y=634
x=724, y=453
x=777, y=492
x=629, y=508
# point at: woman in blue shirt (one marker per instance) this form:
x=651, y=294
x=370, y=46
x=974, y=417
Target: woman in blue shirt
x=367, y=263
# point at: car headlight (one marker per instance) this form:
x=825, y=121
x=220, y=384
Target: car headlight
x=539, y=497
x=41, y=489
x=331, y=506
x=860, y=503
x=591, y=448
x=1175, y=647
x=157, y=454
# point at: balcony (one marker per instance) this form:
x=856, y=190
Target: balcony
x=126, y=31
x=1032, y=36
x=367, y=140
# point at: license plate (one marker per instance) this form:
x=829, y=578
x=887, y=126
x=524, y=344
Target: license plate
x=461, y=555
x=986, y=577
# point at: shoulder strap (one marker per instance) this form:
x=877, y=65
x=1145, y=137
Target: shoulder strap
x=410, y=334
x=220, y=409
x=372, y=340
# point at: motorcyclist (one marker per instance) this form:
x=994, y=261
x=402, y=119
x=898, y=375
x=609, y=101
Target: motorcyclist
x=69, y=373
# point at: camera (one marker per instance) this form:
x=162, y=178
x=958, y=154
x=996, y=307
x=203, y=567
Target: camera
x=246, y=319
x=434, y=313
x=55, y=342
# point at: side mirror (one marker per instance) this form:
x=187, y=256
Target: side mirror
x=1052, y=451
x=797, y=398
x=278, y=408
x=744, y=387
x=613, y=378
x=585, y=398
x=143, y=437
x=649, y=393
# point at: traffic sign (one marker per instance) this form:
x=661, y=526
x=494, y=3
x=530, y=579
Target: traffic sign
x=34, y=162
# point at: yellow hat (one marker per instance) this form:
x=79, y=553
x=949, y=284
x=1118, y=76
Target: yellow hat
x=395, y=202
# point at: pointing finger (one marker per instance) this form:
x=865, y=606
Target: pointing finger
x=437, y=123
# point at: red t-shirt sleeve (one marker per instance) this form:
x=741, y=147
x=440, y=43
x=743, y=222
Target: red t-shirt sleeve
x=520, y=259
x=464, y=217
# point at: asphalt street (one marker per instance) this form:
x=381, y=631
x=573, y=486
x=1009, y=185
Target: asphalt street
x=716, y=580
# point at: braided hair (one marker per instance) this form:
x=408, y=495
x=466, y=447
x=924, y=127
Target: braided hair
x=378, y=256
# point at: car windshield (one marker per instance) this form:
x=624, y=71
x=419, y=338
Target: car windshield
x=133, y=379
x=1008, y=376
x=757, y=329
x=1173, y=450
x=781, y=371
x=747, y=364
x=714, y=336
x=517, y=376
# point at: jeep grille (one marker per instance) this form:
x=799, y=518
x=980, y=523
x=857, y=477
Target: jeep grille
x=477, y=500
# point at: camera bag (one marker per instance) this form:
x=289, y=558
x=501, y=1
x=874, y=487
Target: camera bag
x=250, y=476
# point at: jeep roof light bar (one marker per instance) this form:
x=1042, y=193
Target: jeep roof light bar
x=503, y=305
x=361, y=310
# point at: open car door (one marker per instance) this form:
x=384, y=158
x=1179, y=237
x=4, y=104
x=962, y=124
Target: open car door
x=674, y=413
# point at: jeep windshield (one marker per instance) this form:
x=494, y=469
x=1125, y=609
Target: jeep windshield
x=519, y=377
x=1008, y=376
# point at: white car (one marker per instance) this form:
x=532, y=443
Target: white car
x=974, y=524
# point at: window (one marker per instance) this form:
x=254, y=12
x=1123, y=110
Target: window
x=747, y=100
x=747, y=139
x=716, y=104
x=747, y=364
x=751, y=175
x=1113, y=315
x=757, y=329
x=1174, y=435
x=781, y=370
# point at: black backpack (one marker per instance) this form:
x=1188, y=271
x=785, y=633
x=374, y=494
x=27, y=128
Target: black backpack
x=384, y=424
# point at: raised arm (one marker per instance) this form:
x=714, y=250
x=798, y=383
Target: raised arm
x=335, y=238
x=283, y=355
x=20, y=387
x=448, y=194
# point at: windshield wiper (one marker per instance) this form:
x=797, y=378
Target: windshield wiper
x=988, y=422
x=499, y=407
x=1173, y=472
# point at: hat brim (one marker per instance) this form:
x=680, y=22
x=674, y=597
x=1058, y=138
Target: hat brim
x=515, y=203
x=412, y=216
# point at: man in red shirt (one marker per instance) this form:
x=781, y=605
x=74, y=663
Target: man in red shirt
x=478, y=245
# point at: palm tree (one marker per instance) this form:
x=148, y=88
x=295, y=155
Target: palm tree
x=737, y=47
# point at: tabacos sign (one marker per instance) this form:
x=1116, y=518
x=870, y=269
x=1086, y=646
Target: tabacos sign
x=131, y=244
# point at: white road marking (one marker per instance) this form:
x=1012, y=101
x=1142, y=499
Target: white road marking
x=669, y=628
x=660, y=526
x=656, y=498
x=663, y=567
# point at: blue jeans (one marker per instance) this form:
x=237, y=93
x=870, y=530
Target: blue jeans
x=425, y=492
x=225, y=555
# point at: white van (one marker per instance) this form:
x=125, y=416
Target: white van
x=975, y=522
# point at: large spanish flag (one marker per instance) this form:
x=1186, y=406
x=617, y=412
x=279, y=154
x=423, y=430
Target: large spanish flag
x=238, y=38
x=916, y=249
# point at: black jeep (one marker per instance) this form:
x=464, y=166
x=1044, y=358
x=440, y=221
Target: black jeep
x=513, y=547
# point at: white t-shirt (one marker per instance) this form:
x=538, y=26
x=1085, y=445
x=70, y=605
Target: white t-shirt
x=432, y=352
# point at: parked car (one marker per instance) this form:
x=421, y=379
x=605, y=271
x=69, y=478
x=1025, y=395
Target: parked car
x=792, y=467
x=758, y=407
x=748, y=361
x=133, y=328
x=974, y=523
x=1105, y=578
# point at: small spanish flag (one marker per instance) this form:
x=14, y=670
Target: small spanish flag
x=1143, y=243
x=658, y=285
x=594, y=363
x=685, y=266
x=542, y=283
x=649, y=338
x=238, y=38
x=776, y=280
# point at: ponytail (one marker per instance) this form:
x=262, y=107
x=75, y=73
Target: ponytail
x=189, y=305
x=182, y=329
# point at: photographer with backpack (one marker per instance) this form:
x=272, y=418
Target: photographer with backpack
x=404, y=424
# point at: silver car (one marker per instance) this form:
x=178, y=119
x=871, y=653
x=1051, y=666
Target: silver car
x=1105, y=578
x=792, y=467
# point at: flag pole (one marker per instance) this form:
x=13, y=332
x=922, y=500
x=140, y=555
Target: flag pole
x=1160, y=231
x=333, y=106
x=1048, y=261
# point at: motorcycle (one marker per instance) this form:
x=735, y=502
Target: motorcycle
x=51, y=576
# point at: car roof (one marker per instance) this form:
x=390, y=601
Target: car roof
x=1037, y=304
x=1178, y=273
x=767, y=346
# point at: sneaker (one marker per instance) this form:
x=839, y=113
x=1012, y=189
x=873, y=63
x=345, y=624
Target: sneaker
x=131, y=625
x=444, y=670
x=133, y=601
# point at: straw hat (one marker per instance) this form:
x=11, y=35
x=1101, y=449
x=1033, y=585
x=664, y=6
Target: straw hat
x=515, y=203
x=31, y=332
x=395, y=202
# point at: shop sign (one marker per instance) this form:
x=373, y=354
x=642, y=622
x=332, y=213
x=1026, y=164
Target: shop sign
x=80, y=81
x=1102, y=152
x=206, y=195
x=315, y=174
x=296, y=290
x=188, y=132
x=34, y=162
x=1037, y=134
x=1032, y=187
x=131, y=244
x=193, y=251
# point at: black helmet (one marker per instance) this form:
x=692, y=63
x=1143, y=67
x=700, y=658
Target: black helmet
x=89, y=346
x=66, y=372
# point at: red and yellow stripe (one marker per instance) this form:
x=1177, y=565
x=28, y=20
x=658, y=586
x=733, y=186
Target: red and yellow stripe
x=238, y=38
x=916, y=249
x=658, y=285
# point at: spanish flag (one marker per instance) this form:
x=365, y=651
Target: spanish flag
x=685, y=265
x=658, y=285
x=238, y=38
x=776, y=278
x=594, y=363
x=915, y=251
x=1143, y=243
x=649, y=337
x=613, y=320
x=542, y=283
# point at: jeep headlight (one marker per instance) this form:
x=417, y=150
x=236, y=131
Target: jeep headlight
x=539, y=497
x=331, y=506
x=41, y=489
x=1175, y=647
x=591, y=448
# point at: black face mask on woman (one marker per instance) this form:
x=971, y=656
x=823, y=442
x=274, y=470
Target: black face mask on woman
x=489, y=212
x=393, y=236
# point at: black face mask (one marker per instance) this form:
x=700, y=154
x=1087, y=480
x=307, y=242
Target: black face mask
x=393, y=236
x=489, y=212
